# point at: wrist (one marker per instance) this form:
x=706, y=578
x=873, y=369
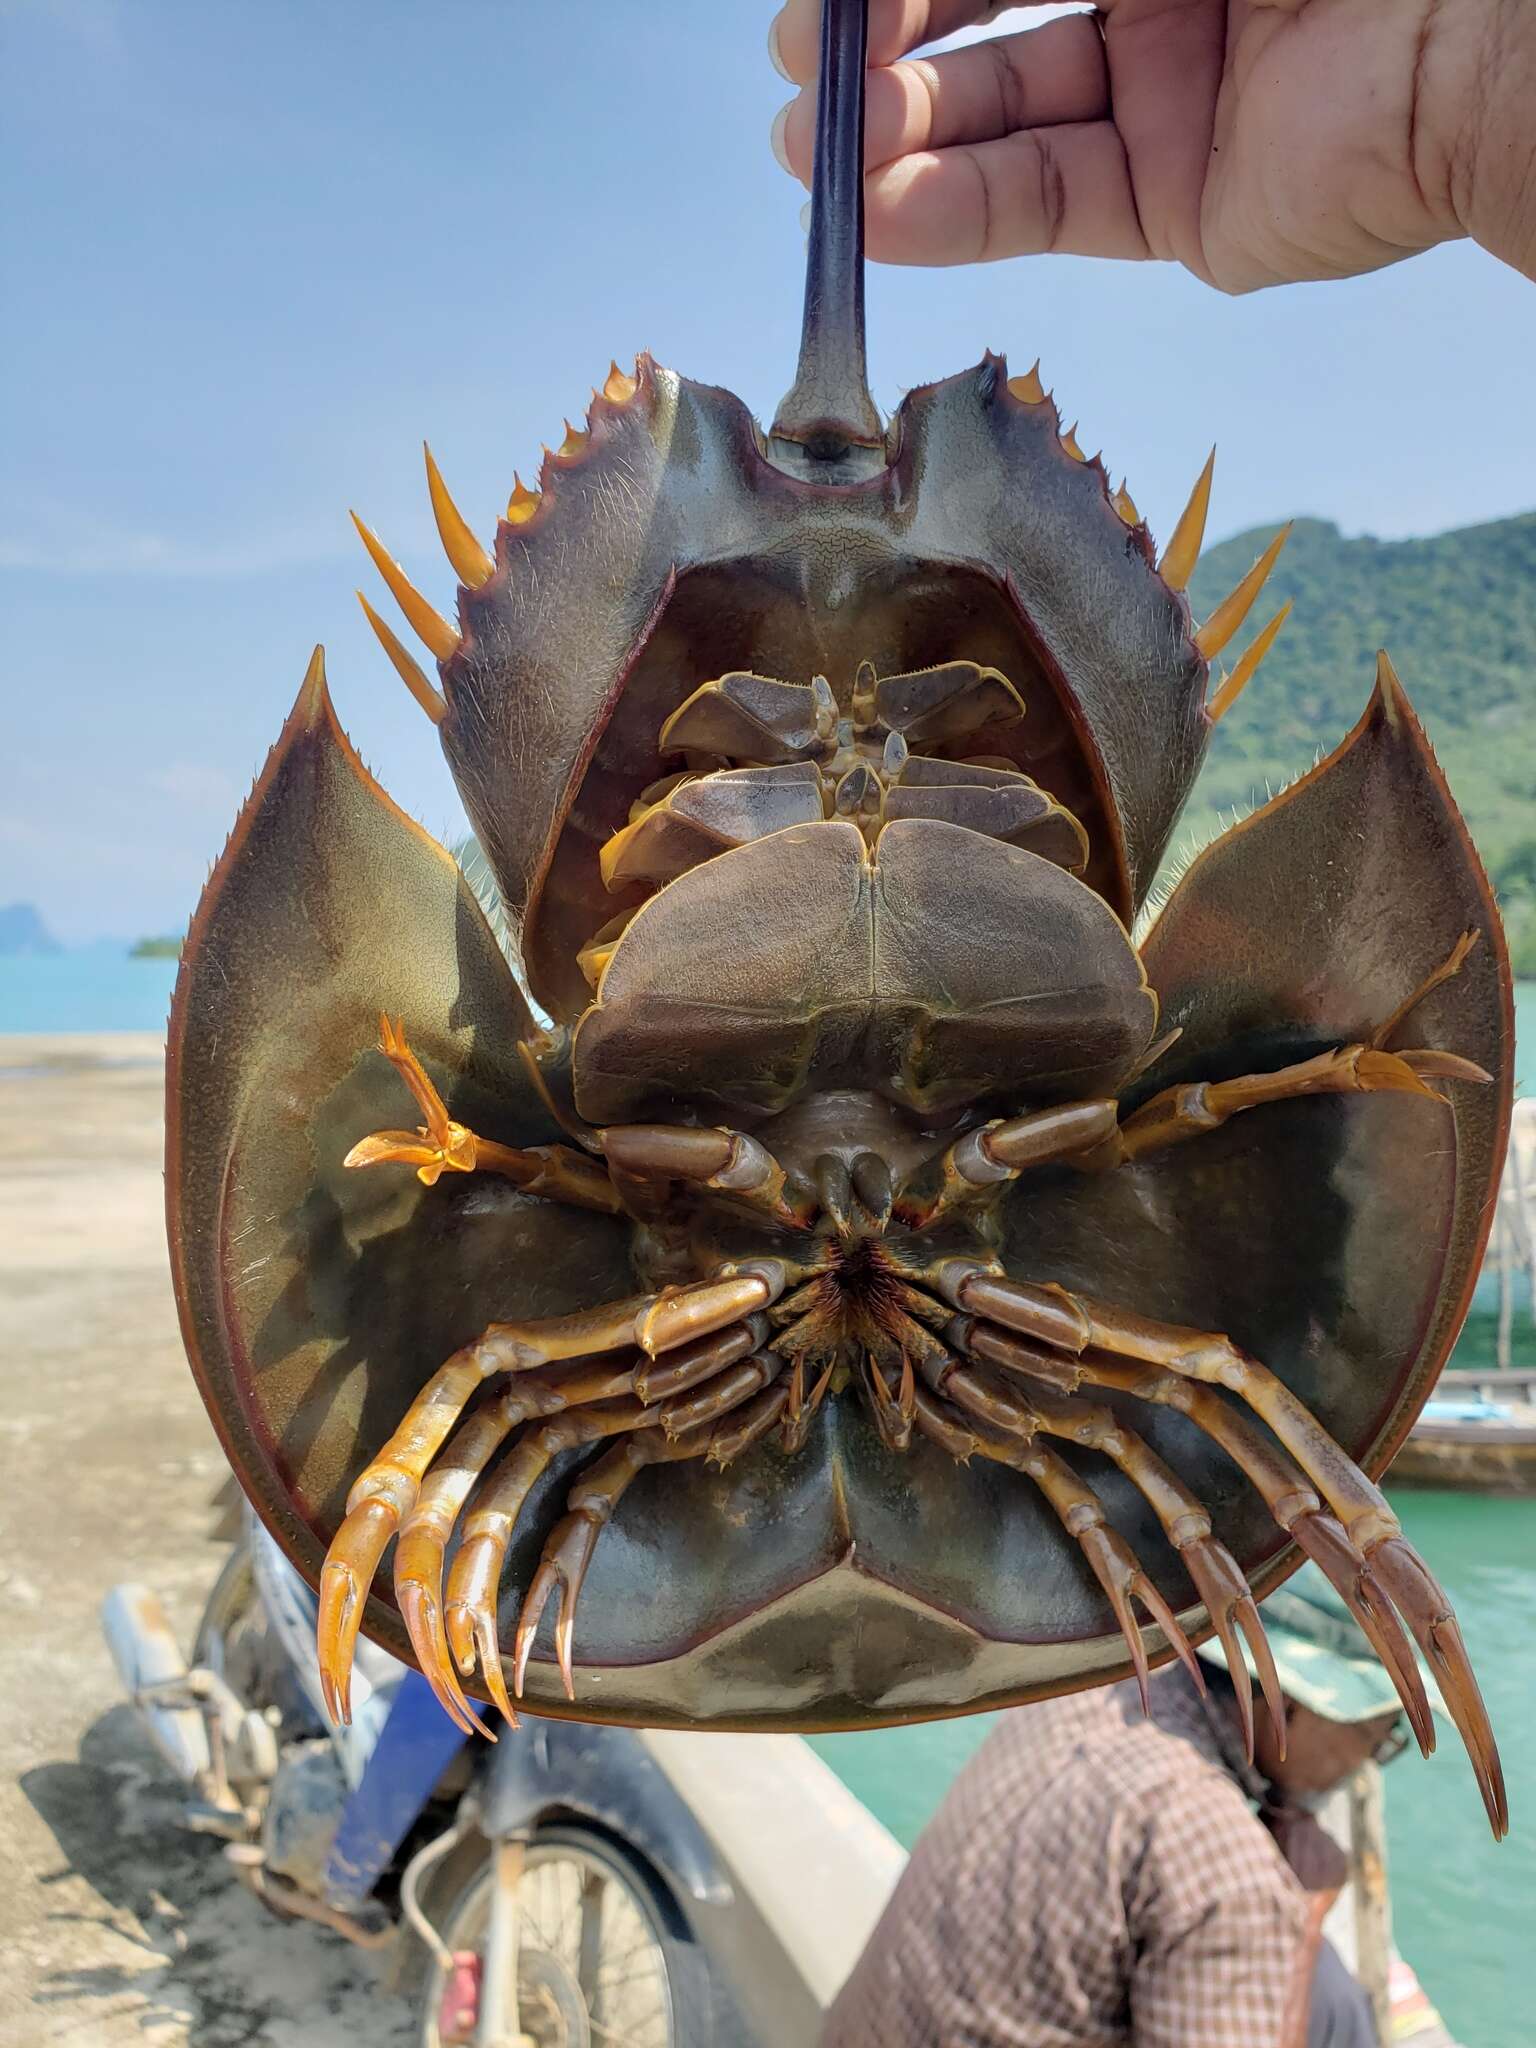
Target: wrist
x=1475, y=143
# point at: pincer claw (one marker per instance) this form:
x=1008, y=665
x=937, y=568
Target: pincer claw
x=350, y=1564
x=564, y=1563
x=1225, y=1594
x=1327, y=1544
x=1413, y=1589
x=423, y=1618
x=469, y=1618
x=1116, y=1568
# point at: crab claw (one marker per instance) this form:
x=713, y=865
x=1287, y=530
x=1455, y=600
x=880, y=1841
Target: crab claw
x=469, y=1619
x=1225, y=1595
x=1326, y=1542
x=797, y=1410
x=1117, y=1571
x=568, y=1551
x=424, y=1619
x=894, y=1412
x=350, y=1564
x=1410, y=1584
x=564, y=1563
x=383, y=1494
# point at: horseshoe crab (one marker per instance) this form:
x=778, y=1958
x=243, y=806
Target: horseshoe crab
x=882, y=1273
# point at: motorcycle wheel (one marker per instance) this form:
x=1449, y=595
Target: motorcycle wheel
x=600, y=1962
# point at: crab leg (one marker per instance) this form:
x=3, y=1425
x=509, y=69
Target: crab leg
x=1361, y=1507
x=1198, y=1106
x=475, y=1577
x=386, y=1490
x=380, y=1498
x=674, y=1372
x=894, y=1413
x=1295, y=1507
x=726, y=1162
x=590, y=1504
x=1070, y=1322
x=424, y=1535
x=1080, y=1513
x=799, y=1408
x=1215, y=1573
x=1364, y=1068
x=992, y=1153
x=425, y=1532
x=441, y=1146
x=470, y=1609
x=696, y=1410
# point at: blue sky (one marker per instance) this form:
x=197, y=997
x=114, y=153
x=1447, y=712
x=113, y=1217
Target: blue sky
x=251, y=255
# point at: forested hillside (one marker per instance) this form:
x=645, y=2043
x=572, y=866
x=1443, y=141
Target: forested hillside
x=1457, y=614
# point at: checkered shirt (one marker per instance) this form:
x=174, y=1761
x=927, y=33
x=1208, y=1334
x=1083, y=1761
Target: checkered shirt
x=1092, y=1878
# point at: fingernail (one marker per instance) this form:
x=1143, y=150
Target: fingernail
x=805, y=217
x=776, y=137
x=773, y=51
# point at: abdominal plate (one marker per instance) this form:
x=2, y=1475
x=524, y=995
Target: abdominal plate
x=762, y=755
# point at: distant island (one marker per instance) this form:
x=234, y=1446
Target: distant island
x=1457, y=613
x=167, y=948
x=22, y=932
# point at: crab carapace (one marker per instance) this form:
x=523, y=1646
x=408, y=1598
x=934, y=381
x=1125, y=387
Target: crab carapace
x=882, y=1274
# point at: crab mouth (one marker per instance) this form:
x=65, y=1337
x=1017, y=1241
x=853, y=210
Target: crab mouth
x=894, y=617
x=859, y=1298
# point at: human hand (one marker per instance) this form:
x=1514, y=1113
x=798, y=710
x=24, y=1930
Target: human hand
x=1254, y=141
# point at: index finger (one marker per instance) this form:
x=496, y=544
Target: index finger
x=895, y=26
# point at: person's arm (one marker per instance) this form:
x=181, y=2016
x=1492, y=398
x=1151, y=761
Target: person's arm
x=1220, y=1930
x=1254, y=141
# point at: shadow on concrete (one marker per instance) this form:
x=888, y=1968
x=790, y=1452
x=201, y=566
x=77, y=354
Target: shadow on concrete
x=199, y=1959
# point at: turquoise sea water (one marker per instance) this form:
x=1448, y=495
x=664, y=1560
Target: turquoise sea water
x=92, y=988
x=1465, y=1907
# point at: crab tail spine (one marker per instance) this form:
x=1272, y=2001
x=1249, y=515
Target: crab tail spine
x=829, y=411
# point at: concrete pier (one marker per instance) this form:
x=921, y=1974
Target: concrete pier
x=119, y=1930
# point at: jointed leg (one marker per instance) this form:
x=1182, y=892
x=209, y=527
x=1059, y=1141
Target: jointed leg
x=1070, y=1323
x=1217, y=1578
x=674, y=1372
x=1077, y=1507
x=426, y=1530
x=475, y=1578
x=725, y=1162
x=977, y=1164
x=591, y=1502
x=1363, y=1068
x=380, y=1498
x=1296, y=1508
x=894, y=1412
x=441, y=1146
x=797, y=1408
x=387, y=1488
x=1199, y=1106
x=1090, y=1135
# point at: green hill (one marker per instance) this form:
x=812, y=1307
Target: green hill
x=1458, y=616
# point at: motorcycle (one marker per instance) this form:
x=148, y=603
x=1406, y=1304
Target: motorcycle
x=550, y=1891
